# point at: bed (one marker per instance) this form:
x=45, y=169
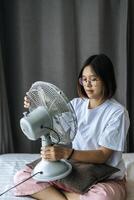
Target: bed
x=11, y=163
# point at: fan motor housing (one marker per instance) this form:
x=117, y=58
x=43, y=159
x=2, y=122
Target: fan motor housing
x=35, y=123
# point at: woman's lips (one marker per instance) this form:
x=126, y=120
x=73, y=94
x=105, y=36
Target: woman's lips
x=89, y=91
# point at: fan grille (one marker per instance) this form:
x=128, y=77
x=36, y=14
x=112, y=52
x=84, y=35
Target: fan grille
x=59, y=108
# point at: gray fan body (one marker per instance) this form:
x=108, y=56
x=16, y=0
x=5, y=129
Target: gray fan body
x=52, y=118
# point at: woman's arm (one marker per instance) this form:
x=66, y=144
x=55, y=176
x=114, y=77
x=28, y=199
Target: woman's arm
x=89, y=156
x=100, y=155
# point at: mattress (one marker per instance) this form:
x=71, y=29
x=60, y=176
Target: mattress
x=9, y=165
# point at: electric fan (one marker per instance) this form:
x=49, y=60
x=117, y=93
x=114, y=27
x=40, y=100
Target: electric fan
x=51, y=117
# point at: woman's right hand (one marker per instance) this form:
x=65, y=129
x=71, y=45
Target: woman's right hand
x=26, y=102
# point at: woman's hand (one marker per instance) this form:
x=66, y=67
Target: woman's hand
x=53, y=153
x=26, y=102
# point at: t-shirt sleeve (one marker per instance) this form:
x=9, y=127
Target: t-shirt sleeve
x=115, y=131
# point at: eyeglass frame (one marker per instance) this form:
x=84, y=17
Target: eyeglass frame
x=92, y=82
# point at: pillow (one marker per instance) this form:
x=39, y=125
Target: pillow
x=82, y=176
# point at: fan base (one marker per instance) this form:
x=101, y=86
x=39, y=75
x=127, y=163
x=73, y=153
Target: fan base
x=51, y=170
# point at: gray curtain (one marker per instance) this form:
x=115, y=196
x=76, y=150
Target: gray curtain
x=48, y=40
x=130, y=74
x=6, y=137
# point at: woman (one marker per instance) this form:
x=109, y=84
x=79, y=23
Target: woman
x=102, y=128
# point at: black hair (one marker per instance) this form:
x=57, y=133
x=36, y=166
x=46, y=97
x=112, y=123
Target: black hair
x=104, y=69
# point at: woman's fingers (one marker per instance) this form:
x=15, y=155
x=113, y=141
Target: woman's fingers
x=54, y=152
x=47, y=154
x=26, y=102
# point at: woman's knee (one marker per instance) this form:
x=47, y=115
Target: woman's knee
x=104, y=191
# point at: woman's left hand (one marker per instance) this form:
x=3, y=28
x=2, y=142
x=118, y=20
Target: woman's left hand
x=55, y=152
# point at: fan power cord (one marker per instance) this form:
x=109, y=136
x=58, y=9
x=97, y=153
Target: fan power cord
x=20, y=183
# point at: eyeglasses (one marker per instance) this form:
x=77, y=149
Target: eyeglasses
x=84, y=81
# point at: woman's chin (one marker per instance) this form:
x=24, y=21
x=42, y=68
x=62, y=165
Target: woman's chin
x=90, y=96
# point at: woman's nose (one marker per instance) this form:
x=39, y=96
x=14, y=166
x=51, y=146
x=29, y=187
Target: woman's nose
x=89, y=83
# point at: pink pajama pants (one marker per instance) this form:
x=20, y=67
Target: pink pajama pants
x=108, y=190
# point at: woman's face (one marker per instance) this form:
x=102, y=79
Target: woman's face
x=92, y=84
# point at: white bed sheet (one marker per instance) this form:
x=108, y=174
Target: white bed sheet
x=9, y=165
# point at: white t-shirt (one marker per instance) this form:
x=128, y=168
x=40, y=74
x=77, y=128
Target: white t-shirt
x=106, y=125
